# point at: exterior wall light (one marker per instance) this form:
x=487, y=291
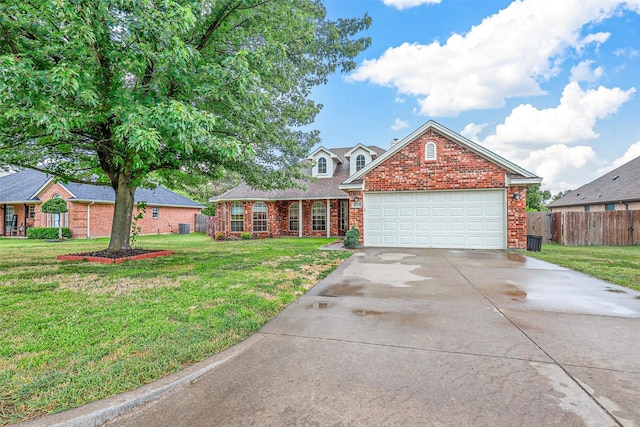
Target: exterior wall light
x=516, y=196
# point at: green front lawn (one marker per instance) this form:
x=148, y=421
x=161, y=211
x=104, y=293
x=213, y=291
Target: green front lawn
x=75, y=332
x=615, y=264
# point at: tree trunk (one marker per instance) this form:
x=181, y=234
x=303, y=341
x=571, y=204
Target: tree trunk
x=122, y=212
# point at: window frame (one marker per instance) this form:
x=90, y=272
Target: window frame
x=32, y=211
x=430, y=151
x=322, y=166
x=361, y=162
x=239, y=218
x=295, y=218
x=260, y=218
x=155, y=212
x=318, y=218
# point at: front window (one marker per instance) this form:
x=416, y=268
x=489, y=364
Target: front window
x=260, y=216
x=237, y=217
x=32, y=211
x=155, y=212
x=322, y=165
x=8, y=217
x=360, y=162
x=318, y=217
x=293, y=216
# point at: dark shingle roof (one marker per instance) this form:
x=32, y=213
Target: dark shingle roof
x=607, y=188
x=21, y=187
x=320, y=188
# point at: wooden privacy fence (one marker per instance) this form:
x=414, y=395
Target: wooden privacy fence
x=604, y=228
x=202, y=222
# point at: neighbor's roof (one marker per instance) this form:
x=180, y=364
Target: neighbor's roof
x=619, y=185
x=319, y=188
x=25, y=186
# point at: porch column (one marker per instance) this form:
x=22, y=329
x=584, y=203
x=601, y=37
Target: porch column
x=328, y=217
x=300, y=218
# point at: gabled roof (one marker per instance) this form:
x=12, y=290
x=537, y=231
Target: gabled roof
x=26, y=186
x=620, y=185
x=372, y=152
x=328, y=152
x=466, y=143
x=323, y=188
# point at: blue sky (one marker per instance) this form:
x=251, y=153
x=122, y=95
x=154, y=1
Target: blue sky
x=552, y=85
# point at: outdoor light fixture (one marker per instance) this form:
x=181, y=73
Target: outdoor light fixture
x=356, y=199
x=516, y=196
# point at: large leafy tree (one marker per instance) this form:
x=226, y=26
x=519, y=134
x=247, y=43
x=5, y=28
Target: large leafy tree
x=109, y=91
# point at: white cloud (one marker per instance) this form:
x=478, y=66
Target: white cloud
x=632, y=152
x=583, y=72
x=399, y=100
x=507, y=55
x=557, y=161
x=472, y=130
x=406, y=4
x=571, y=121
x=399, y=124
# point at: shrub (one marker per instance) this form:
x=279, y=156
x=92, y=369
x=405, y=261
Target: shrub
x=246, y=236
x=352, y=238
x=220, y=235
x=46, y=233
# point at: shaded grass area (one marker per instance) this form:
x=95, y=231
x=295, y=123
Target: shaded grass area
x=76, y=332
x=615, y=264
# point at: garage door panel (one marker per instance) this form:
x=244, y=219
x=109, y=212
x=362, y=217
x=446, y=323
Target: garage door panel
x=406, y=226
x=441, y=219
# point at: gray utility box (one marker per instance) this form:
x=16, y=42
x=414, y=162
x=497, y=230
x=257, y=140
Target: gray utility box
x=184, y=228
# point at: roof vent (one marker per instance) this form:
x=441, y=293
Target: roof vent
x=394, y=141
x=616, y=177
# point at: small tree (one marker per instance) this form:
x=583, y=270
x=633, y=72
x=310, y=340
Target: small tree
x=352, y=238
x=55, y=206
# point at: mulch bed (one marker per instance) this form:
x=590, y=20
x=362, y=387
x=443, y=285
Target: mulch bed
x=114, y=257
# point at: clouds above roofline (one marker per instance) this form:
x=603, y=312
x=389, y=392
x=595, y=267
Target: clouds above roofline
x=507, y=55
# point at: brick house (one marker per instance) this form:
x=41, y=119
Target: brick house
x=613, y=191
x=432, y=189
x=90, y=207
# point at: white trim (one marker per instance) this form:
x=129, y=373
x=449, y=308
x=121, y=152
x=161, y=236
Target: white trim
x=364, y=147
x=347, y=187
x=328, y=221
x=300, y=218
x=279, y=199
x=514, y=182
x=464, y=142
x=330, y=153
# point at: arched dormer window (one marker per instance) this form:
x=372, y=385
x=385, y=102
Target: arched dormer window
x=430, y=151
x=360, y=161
x=322, y=165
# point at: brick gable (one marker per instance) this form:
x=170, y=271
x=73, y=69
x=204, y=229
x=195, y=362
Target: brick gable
x=455, y=168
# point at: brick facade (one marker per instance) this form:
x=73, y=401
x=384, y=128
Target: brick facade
x=278, y=219
x=88, y=219
x=454, y=168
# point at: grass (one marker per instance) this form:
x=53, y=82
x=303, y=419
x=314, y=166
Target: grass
x=615, y=264
x=76, y=332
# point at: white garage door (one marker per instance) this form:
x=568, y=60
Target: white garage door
x=436, y=219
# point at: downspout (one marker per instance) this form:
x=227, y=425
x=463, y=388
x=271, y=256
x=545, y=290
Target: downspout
x=89, y=219
x=300, y=218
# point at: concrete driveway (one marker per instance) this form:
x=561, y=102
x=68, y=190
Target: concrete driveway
x=426, y=337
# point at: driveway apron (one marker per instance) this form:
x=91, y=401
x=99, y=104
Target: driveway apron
x=429, y=337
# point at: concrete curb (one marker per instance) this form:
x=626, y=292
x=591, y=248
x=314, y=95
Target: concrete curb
x=102, y=411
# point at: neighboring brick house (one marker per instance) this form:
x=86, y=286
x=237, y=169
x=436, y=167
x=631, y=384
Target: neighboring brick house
x=614, y=191
x=90, y=207
x=433, y=188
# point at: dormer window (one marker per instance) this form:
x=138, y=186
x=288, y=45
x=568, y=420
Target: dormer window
x=430, y=151
x=322, y=165
x=360, y=161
